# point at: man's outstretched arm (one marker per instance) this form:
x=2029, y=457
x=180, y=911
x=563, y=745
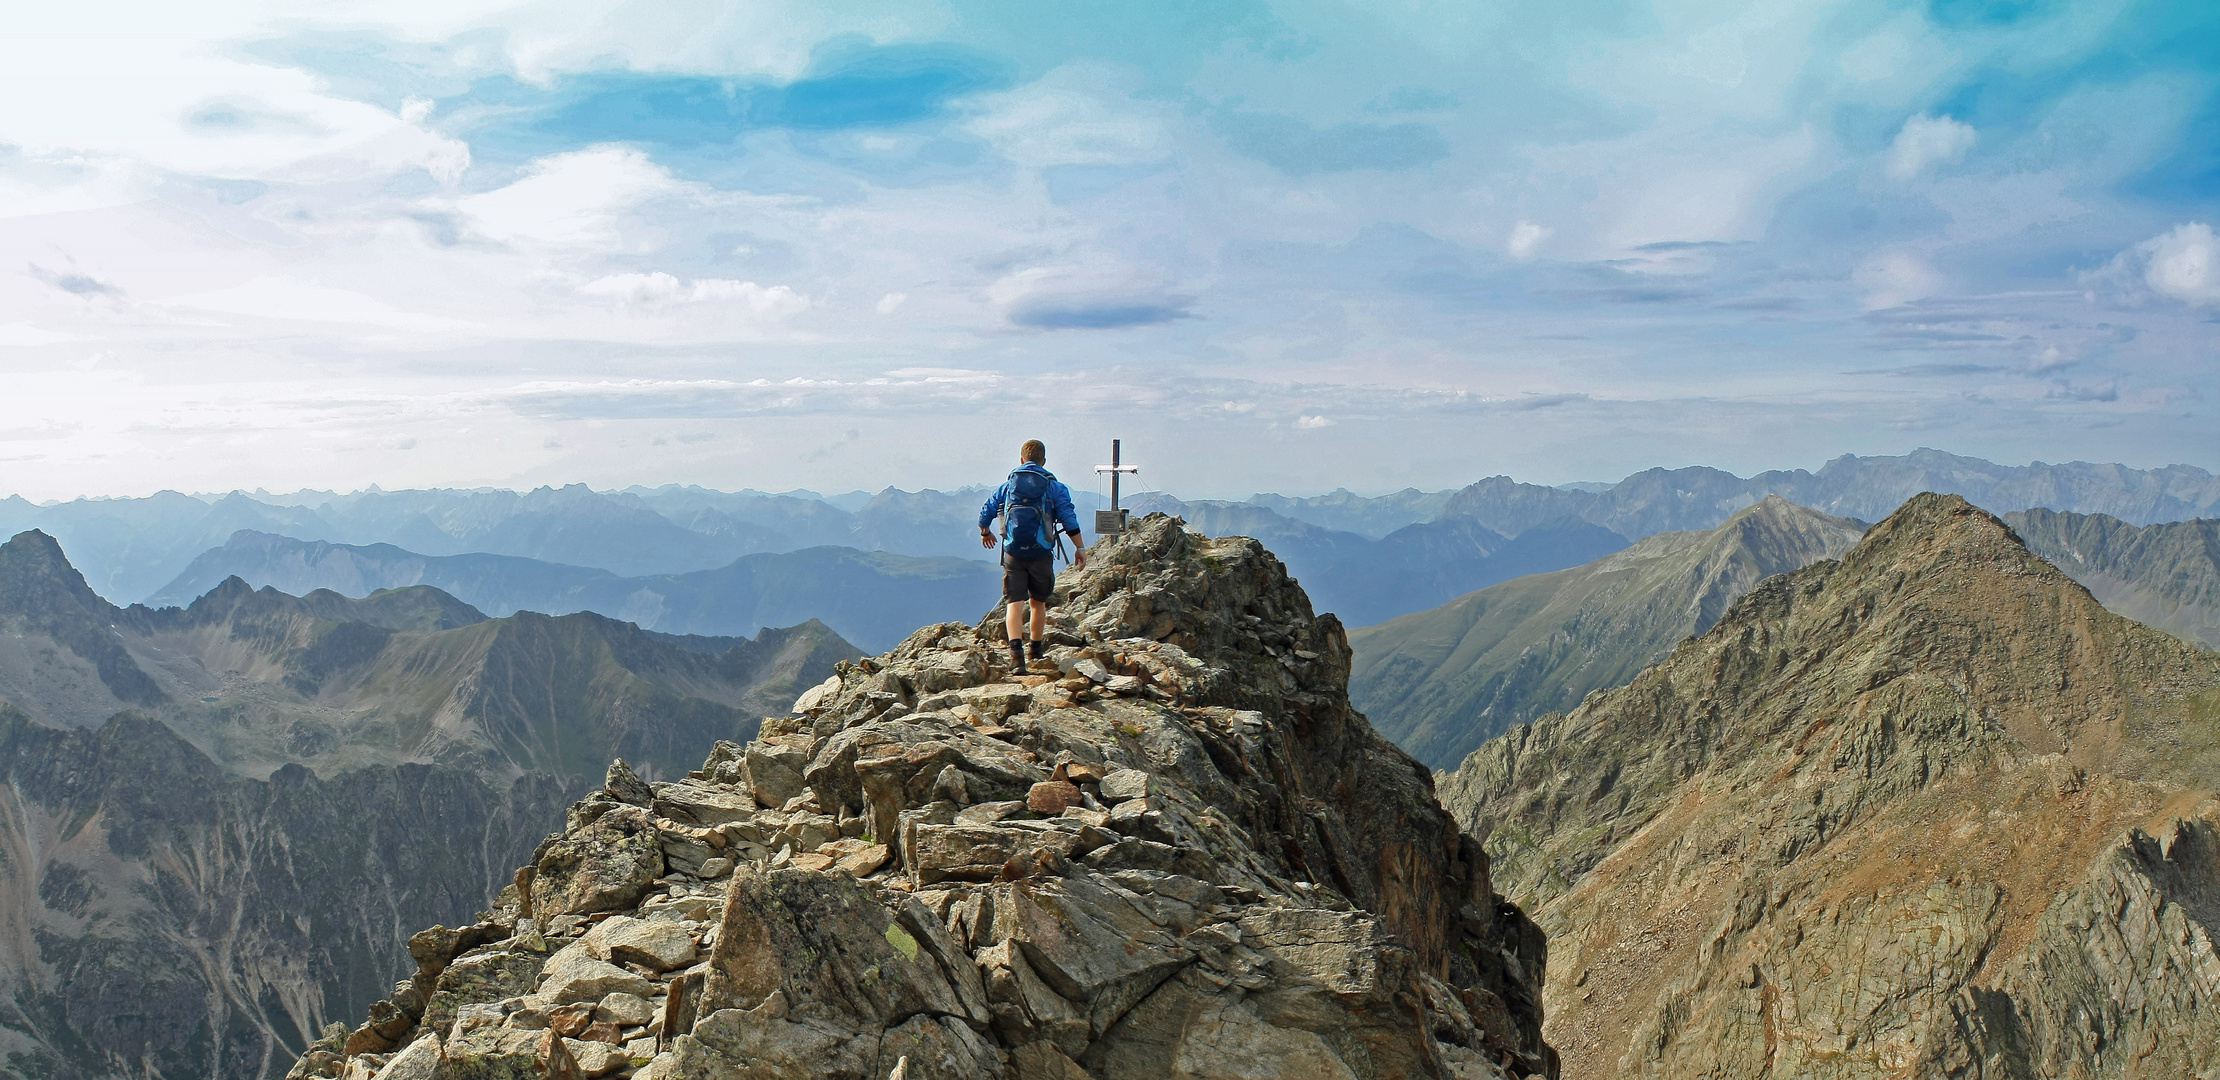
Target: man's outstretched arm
x=987, y=514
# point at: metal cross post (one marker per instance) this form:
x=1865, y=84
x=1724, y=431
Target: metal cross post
x=1112, y=520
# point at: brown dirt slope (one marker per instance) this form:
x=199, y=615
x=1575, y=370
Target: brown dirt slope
x=1929, y=810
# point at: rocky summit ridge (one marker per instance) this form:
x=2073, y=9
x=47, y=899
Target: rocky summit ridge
x=1170, y=849
x=1924, y=811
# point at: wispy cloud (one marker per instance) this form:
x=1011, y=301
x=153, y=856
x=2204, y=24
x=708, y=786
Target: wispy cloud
x=1926, y=142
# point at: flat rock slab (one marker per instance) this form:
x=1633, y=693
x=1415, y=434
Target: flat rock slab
x=653, y=943
x=575, y=975
x=1052, y=796
x=1120, y=785
x=624, y=1009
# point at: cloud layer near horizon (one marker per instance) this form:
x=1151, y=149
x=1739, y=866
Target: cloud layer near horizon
x=1290, y=246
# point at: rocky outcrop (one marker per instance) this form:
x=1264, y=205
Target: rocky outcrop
x=1170, y=849
x=1926, y=811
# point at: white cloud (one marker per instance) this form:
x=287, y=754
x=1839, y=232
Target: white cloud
x=580, y=199
x=1524, y=237
x=659, y=290
x=1311, y=422
x=1895, y=277
x=2183, y=264
x=889, y=302
x=1925, y=142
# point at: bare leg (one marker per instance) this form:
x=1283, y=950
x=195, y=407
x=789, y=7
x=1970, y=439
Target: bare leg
x=1040, y=618
x=1015, y=621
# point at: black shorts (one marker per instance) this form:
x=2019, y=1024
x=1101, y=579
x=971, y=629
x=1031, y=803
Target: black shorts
x=1028, y=579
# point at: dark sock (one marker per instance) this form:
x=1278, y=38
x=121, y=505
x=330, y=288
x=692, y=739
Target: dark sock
x=1017, y=653
x=1040, y=648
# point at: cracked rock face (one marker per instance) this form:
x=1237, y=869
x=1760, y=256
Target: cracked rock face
x=1170, y=849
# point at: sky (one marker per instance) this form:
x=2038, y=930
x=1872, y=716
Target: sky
x=1272, y=246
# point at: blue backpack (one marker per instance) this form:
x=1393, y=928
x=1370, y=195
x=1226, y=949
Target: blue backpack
x=1026, y=532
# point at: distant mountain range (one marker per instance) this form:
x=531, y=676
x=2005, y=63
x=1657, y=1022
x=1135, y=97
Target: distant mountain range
x=1662, y=500
x=1442, y=681
x=226, y=818
x=871, y=598
x=259, y=678
x=131, y=549
x=1416, y=566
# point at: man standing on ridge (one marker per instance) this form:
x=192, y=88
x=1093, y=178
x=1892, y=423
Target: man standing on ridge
x=1031, y=503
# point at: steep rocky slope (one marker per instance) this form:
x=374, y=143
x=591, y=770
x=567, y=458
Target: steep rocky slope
x=2165, y=575
x=1441, y=682
x=1926, y=811
x=1172, y=850
x=162, y=916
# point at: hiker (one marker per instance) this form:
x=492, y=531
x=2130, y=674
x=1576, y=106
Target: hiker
x=1031, y=503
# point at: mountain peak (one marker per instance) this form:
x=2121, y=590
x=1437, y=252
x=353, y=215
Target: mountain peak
x=1937, y=730
x=1933, y=532
x=42, y=596
x=33, y=551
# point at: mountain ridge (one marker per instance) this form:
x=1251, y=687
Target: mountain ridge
x=259, y=679
x=870, y=597
x=1442, y=681
x=1868, y=823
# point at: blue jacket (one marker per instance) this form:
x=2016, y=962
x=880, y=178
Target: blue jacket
x=1058, y=502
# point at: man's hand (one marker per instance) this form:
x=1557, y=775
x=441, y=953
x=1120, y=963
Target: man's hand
x=986, y=539
x=1078, y=553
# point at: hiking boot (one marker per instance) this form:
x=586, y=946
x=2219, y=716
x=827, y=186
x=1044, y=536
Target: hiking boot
x=1017, y=655
x=1039, y=649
